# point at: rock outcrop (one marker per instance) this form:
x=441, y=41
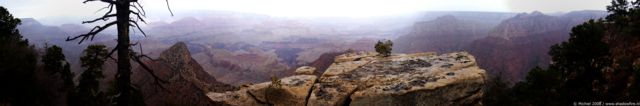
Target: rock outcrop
x=521, y=43
x=444, y=34
x=186, y=81
x=305, y=70
x=363, y=79
x=289, y=91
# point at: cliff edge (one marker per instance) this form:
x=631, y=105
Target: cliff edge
x=366, y=79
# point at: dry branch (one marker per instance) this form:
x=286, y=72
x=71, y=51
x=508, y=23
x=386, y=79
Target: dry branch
x=139, y=16
x=103, y=18
x=138, y=26
x=92, y=33
x=169, y=7
x=137, y=59
x=112, y=51
x=106, y=1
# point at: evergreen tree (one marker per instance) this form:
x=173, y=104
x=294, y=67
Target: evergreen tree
x=625, y=17
x=56, y=65
x=625, y=35
x=89, y=87
x=576, y=71
x=581, y=61
x=53, y=59
x=18, y=64
x=497, y=92
x=541, y=88
x=595, y=64
x=385, y=48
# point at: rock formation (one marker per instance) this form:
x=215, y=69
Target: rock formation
x=444, y=34
x=290, y=91
x=363, y=79
x=521, y=43
x=186, y=83
x=325, y=60
x=305, y=70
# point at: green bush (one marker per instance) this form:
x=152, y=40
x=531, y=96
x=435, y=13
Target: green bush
x=385, y=48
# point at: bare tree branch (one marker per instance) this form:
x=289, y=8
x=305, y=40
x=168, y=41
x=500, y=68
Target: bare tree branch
x=113, y=51
x=134, y=44
x=92, y=33
x=139, y=8
x=110, y=6
x=137, y=57
x=139, y=17
x=142, y=52
x=110, y=9
x=103, y=18
x=138, y=26
x=142, y=8
x=169, y=7
x=140, y=46
x=157, y=79
x=106, y=1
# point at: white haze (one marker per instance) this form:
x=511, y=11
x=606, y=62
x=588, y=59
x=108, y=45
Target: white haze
x=74, y=11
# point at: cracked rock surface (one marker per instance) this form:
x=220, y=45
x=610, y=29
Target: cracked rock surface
x=293, y=91
x=366, y=79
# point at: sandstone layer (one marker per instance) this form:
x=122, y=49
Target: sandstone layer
x=367, y=79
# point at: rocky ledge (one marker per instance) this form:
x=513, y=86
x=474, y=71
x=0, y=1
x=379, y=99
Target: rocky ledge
x=366, y=79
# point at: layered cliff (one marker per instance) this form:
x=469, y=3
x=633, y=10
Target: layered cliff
x=444, y=34
x=186, y=81
x=521, y=43
x=368, y=79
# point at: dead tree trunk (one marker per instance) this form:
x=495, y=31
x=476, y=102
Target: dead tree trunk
x=123, y=76
x=123, y=9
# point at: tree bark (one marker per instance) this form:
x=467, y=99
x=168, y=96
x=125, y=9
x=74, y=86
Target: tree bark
x=124, y=66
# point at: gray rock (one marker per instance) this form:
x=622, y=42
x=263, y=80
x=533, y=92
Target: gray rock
x=403, y=79
x=293, y=91
x=305, y=70
x=365, y=79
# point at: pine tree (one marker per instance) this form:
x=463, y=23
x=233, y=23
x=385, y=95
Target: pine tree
x=385, y=48
x=497, y=92
x=17, y=64
x=540, y=88
x=56, y=65
x=581, y=61
x=89, y=85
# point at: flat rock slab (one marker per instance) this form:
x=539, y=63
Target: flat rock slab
x=293, y=91
x=367, y=79
x=305, y=70
x=235, y=98
x=406, y=79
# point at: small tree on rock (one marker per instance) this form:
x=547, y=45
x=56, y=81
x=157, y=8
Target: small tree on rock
x=385, y=48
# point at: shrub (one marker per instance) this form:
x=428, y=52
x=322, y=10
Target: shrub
x=385, y=48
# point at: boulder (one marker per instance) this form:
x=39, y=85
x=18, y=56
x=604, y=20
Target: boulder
x=292, y=91
x=305, y=70
x=235, y=98
x=403, y=79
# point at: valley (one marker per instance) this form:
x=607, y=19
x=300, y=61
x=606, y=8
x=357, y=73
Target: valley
x=243, y=48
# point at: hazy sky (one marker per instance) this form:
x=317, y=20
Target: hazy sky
x=40, y=9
